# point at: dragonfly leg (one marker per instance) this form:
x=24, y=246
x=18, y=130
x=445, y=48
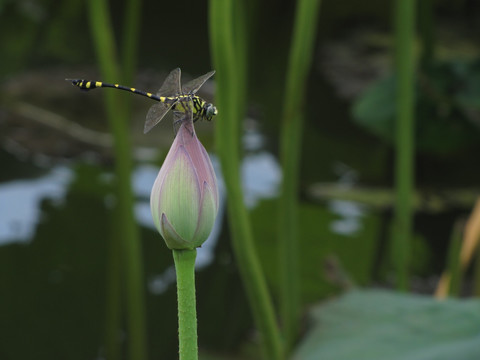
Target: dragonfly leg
x=176, y=126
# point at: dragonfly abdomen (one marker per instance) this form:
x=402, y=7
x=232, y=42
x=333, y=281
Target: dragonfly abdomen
x=90, y=85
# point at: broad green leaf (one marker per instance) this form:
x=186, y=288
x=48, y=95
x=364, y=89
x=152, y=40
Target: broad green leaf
x=380, y=325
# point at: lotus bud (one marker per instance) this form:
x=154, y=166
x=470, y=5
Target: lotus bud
x=184, y=198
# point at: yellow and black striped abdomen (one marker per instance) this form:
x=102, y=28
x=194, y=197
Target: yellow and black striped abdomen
x=90, y=85
x=87, y=85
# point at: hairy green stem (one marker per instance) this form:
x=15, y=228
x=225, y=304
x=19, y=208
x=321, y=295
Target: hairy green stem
x=187, y=313
x=230, y=64
x=301, y=55
x=118, y=119
x=404, y=65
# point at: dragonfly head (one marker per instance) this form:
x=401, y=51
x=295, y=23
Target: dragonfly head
x=210, y=111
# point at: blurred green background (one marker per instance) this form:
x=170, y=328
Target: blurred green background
x=57, y=196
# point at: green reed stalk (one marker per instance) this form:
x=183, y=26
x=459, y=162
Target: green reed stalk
x=404, y=65
x=118, y=118
x=300, y=60
x=131, y=31
x=187, y=313
x=229, y=61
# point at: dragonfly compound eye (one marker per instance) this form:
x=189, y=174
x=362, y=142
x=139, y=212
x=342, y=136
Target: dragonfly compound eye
x=210, y=111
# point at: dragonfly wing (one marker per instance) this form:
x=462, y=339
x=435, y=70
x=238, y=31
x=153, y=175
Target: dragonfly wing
x=171, y=85
x=193, y=86
x=155, y=114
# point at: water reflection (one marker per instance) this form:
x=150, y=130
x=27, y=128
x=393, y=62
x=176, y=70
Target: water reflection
x=261, y=176
x=261, y=172
x=20, y=203
x=350, y=213
x=160, y=283
x=351, y=216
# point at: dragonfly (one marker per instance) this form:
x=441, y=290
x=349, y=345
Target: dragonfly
x=182, y=100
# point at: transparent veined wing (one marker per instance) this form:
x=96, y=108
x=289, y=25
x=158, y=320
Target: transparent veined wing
x=193, y=86
x=170, y=87
x=155, y=114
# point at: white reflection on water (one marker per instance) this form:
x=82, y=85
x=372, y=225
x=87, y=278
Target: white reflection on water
x=160, y=283
x=20, y=203
x=351, y=215
x=261, y=173
x=261, y=176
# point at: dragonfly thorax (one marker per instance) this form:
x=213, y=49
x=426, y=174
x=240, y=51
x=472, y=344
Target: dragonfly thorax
x=201, y=109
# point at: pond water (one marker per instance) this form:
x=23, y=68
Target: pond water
x=56, y=223
x=54, y=245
